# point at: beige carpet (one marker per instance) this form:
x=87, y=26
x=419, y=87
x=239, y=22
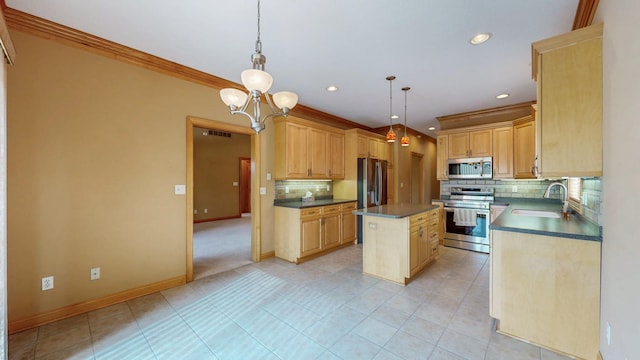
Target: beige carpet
x=221, y=245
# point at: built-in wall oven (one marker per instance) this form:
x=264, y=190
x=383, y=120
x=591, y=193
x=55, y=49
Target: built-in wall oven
x=467, y=218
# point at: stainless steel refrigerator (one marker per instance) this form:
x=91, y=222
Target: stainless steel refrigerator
x=372, y=186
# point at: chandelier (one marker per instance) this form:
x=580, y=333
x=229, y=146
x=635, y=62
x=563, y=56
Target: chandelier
x=391, y=135
x=404, y=141
x=258, y=82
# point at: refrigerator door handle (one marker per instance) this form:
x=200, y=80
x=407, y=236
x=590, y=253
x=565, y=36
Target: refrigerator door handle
x=378, y=184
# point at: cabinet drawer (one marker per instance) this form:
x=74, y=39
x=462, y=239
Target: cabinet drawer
x=314, y=211
x=418, y=219
x=331, y=209
x=349, y=206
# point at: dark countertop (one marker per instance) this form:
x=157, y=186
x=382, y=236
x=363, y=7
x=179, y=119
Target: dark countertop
x=297, y=204
x=575, y=227
x=395, y=211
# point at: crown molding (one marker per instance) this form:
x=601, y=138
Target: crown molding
x=21, y=21
x=584, y=14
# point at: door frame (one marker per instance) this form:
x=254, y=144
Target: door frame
x=241, y=184
x=256, y=239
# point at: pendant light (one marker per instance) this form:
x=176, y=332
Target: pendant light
x=391, y=136
x=258, y=82
x=404, y=141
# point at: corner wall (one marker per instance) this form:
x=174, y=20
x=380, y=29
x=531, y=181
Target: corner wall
x=621, y=233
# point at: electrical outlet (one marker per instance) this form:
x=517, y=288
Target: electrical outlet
x=514, y=188
x=195, y=211
x=286, y=189
x=47, y=283
x=328, y=187
x=317, y=187
x=263, y=190
x=206, y=211
x=95, y=273
x=180, y=189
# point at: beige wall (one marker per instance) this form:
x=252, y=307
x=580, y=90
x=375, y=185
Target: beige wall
x=95, y=148
x=216, y=166
x=621, y=234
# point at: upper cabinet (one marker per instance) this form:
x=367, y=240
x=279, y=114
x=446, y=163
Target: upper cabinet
x=524, y=148
x=306, y=150
x=568, y=70
x=470, y=144
x=503, y=152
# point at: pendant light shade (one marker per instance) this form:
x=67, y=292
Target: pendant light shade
x=233, y=97
x=391, y=135
x=405, y=141
x=285, y=99
x=254, y=79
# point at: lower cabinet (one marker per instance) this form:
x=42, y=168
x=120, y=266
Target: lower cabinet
x=397, y=249
x=302, y=234
x=546, y=290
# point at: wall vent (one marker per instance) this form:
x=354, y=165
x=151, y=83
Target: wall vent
x=219, y=133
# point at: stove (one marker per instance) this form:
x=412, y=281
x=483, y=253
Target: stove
x=467, y=218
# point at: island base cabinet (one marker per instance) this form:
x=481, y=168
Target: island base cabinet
x=546, y=290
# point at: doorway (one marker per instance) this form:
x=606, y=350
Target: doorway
x=417, y=178
x=255, y=204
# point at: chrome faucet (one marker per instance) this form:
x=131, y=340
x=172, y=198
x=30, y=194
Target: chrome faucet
x=565, y=201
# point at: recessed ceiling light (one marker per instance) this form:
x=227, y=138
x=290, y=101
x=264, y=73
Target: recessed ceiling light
x=432, y=128
x=502, y=96
x=480, y=38
x=332, y=88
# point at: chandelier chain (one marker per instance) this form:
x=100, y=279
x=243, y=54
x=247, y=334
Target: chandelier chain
x=258, y=42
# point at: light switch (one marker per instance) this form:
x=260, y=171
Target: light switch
x=373, y=226
x=180, y=189
x=263, y=190
x=235, y=183
x=268, y=176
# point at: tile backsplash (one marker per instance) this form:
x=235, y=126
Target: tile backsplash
x=297, y=189
x=591, y=192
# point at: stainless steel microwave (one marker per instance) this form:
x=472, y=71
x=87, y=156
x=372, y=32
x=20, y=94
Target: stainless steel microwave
x=470, y=168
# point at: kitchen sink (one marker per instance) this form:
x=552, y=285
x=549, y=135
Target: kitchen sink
x=536, y=213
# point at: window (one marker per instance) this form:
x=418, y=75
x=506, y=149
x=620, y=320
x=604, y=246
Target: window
x=574, y=186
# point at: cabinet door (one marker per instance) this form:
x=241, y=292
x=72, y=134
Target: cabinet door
x=335, y=155
x=414, y=240
x=503, y=152
x=442, y=154
x=374, y=150
x=524, y=150
x=317, y=152
x=331, y=231
x=570, y=106
x=349, y=231
x=458, y=145
x=480, y=143
x=310, y=240
x=363, y=146
x=296, y=151
x=423, y=245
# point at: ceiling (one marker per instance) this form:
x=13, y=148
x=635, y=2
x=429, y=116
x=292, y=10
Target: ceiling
x=352, y=44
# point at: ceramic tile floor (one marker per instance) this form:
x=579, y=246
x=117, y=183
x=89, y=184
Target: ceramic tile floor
x=322, y=309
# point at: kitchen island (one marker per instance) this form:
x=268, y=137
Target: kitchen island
x=545, y=278
x=399, y=240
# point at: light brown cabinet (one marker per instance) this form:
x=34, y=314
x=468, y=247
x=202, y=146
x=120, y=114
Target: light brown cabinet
x=524, y=148
x=503, y=152
x=397, y=249
x=442, y=154
x=546, y=290
x=470, y=144
x=302, y=234
x=305, y=150
x=372, y=147
x=568, y=70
